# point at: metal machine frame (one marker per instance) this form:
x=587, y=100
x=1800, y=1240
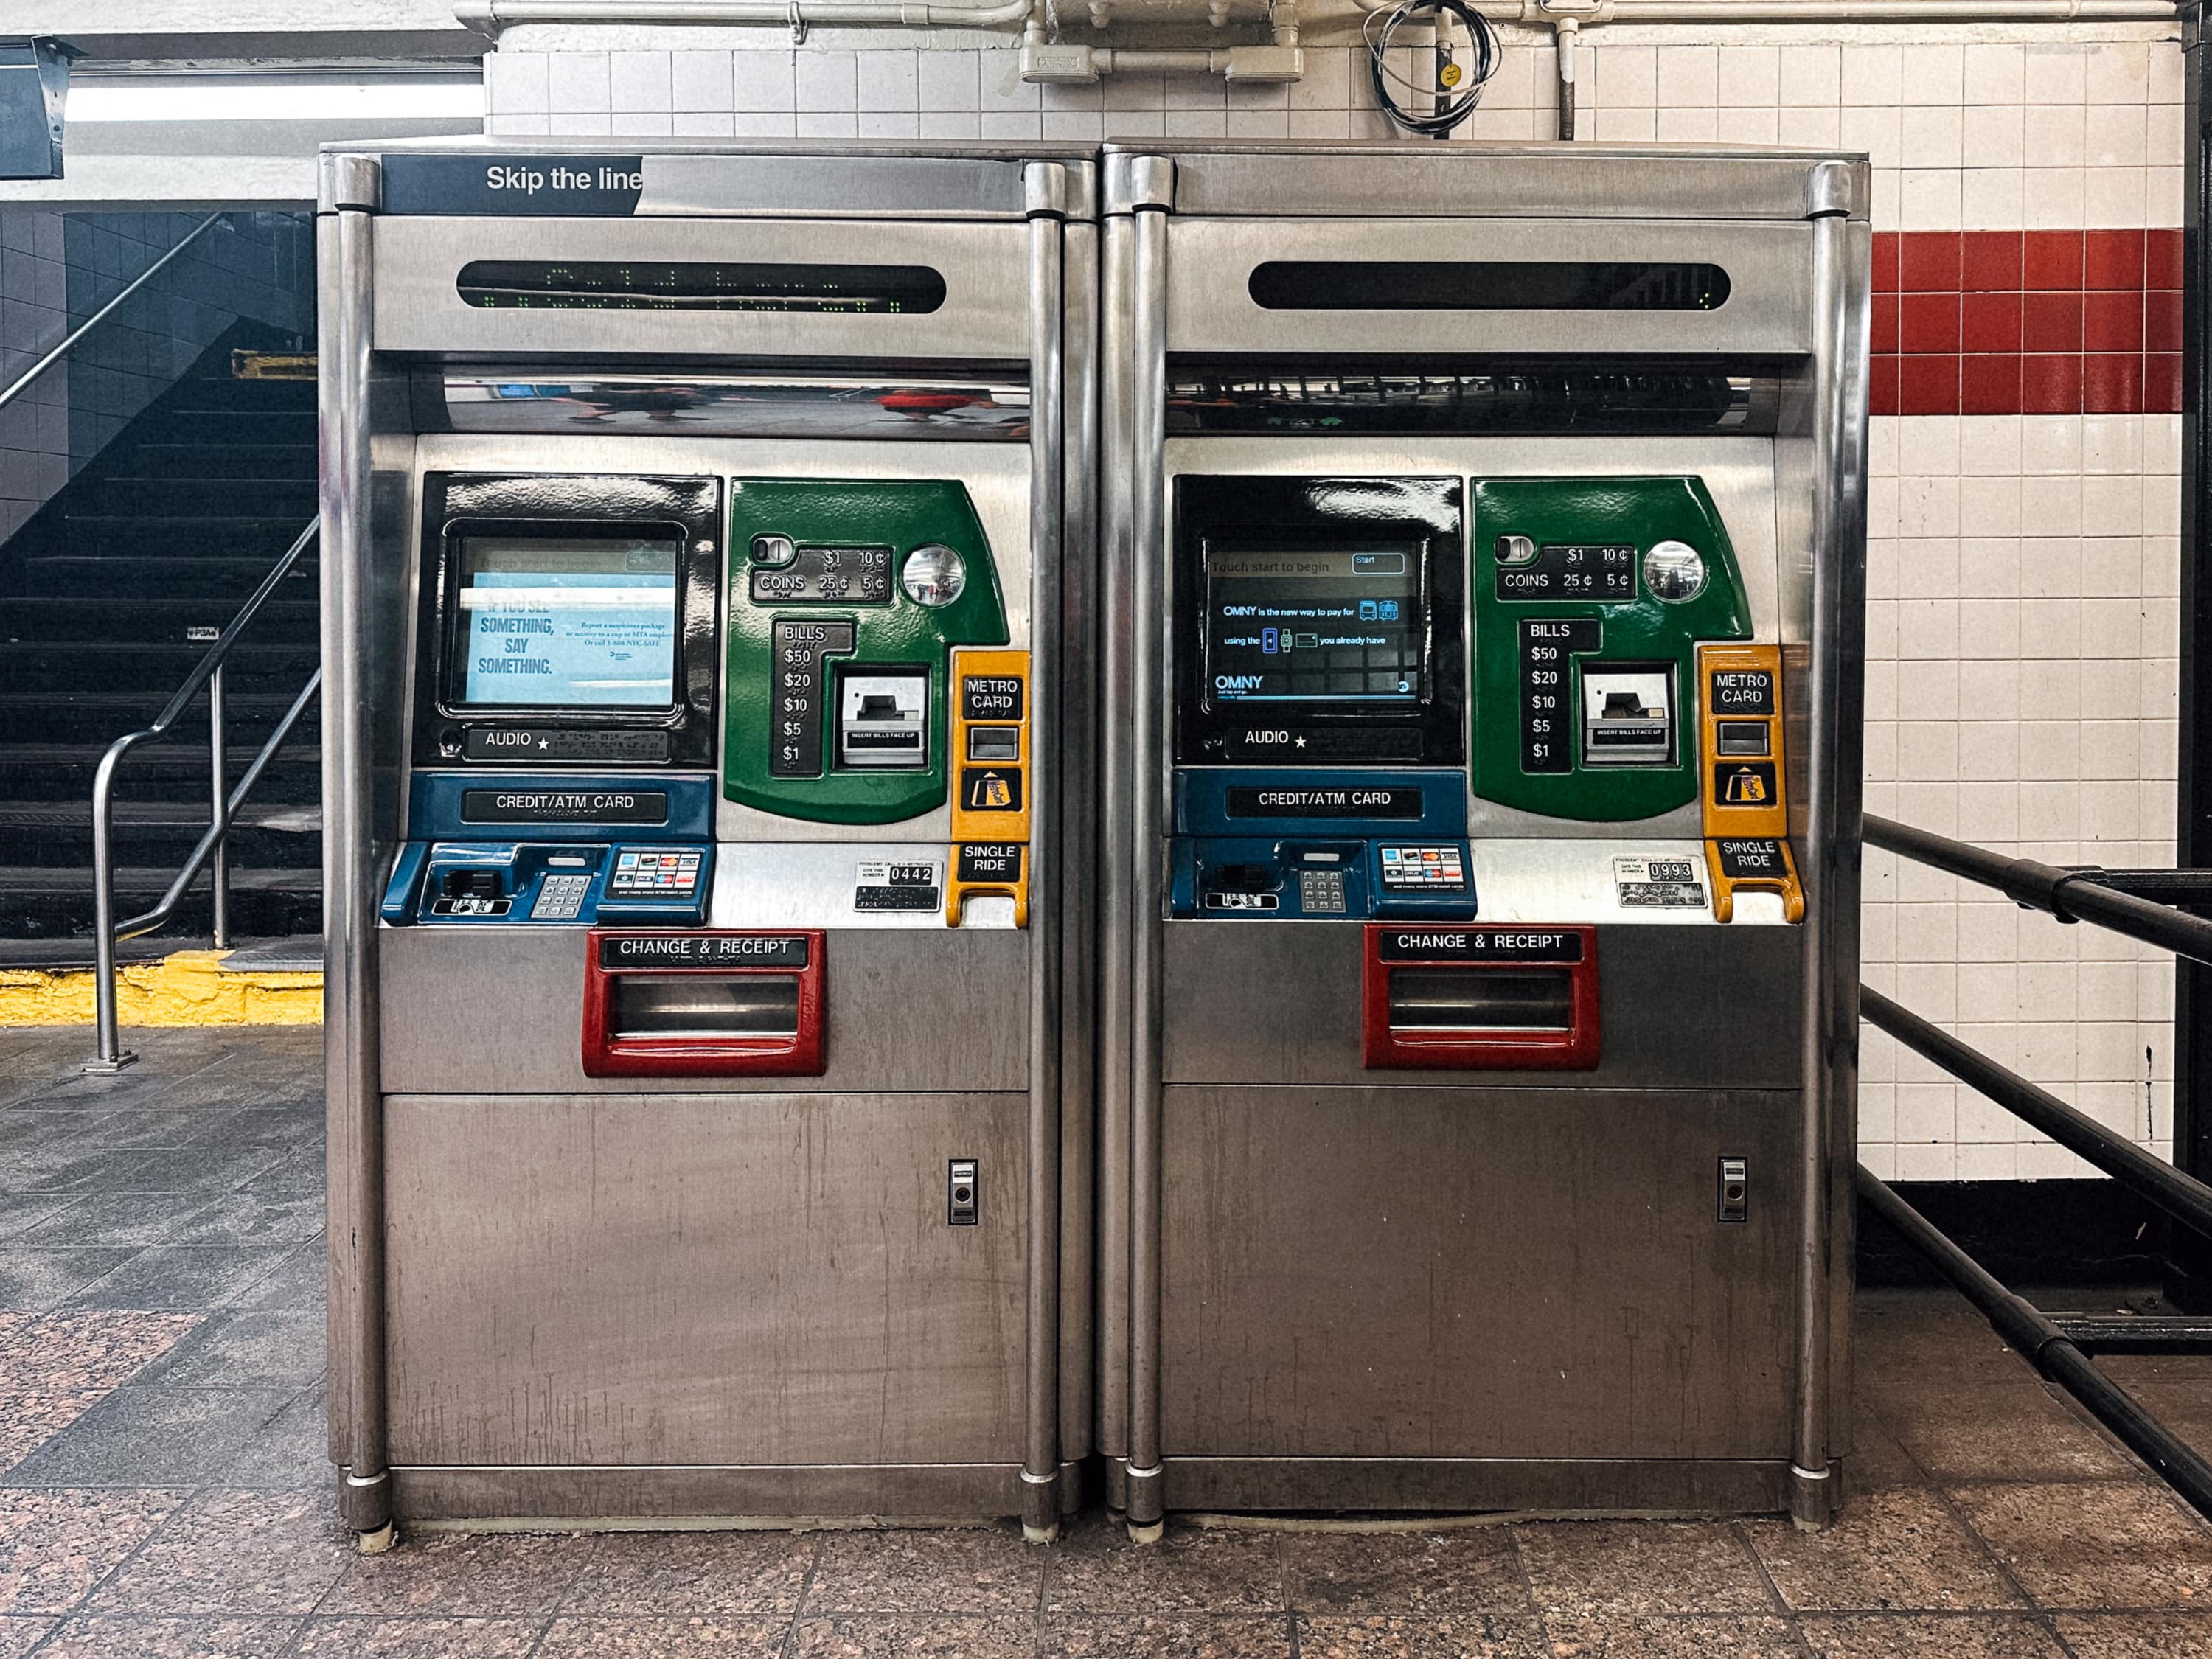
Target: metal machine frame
x=1184, y=224
x=389, y=316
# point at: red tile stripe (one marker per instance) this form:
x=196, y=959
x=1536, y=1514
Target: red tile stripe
x=2035, y=322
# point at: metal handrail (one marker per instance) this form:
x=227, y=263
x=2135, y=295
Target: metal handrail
x=223, y=804
x=16, y=387
x=2181, y=1196
x=2069, y=895
x=2047, y=1347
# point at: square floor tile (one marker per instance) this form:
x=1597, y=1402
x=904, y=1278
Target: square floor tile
x=2137, y=1635
x=1929, y=1636
x=1469, y=1569
x=234, y=1553
x=1675, y=1636
x=40, y=1279
x=298, y=1282
x=1183, y=1635
x=1924, y=1338
x=18, y=1636
x=152, y=1437
x=643, y=1575
x=1462, y=1636
x=473, y=1575
x=274, y=1350
x=1095, y=1569
x=374, y=1637
x=739, y=1635
x=1584, y=1568
x=2008, y=1431
x=2095, y=1546
x=99, y=1348
x=916, y=1636
x=128, y=1637
x=250, y=1216
x=20, y=1210
x=292, y=1451
x=131, y=1219
x=30, y=1416
x=956, y=1570
x=56, y=1546
x=193, y=1277
x=1897, y=1549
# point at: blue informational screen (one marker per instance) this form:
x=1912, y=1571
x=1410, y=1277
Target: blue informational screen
x=541, y=623
x=1313, y=625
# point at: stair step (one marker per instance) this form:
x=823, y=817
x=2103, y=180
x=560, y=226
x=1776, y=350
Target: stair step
x=66, y=771
x=67, y=846
x=226, y=391
x=100, y=717
x=270, y=426
x=285, y=621
x=32, y=666
x=40, y=815
x=172, y=497
x=212, y=575
x=221, y=458
x=166, y=535
x=53, y=903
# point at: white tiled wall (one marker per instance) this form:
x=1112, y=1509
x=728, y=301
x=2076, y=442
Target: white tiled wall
x=2023, y=620
x=2022, y=614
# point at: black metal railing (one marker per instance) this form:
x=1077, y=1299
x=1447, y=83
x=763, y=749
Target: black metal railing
x=224, y=802
x=2135, y=902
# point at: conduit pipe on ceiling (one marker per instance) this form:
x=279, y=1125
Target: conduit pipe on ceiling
x=490, y=17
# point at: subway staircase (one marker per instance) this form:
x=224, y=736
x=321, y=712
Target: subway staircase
x=108, y=598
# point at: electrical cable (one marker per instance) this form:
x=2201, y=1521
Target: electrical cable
x=1449, y=112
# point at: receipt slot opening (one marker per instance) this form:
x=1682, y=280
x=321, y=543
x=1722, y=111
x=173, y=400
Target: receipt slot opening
x=1480, y=998
x=704, y=1005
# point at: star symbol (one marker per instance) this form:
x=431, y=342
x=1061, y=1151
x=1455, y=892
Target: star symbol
x=1302, y=742
x=545, y=743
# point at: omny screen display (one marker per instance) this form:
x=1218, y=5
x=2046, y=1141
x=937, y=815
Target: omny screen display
x=1314, y=625
x=575, y=621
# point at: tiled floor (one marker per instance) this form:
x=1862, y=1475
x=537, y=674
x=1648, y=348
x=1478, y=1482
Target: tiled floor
x=163, y=1490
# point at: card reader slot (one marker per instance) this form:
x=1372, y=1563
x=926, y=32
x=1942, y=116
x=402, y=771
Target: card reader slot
x=1481, y=1000
x=704, y=1007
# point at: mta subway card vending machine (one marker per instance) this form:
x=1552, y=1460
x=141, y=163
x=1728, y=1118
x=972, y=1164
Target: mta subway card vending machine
x=706, y=552
x=1476, y=1106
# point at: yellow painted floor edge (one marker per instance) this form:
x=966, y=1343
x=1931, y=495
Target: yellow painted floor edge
x=186, y=988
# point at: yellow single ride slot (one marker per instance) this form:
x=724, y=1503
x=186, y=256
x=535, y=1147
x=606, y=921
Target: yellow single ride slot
x=1746, y=812
x=991, y=780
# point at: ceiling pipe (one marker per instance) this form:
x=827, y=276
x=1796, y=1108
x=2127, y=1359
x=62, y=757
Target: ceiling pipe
x=490, y=17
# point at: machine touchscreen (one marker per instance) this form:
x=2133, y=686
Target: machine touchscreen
x=1314, y=625
x=565, y=622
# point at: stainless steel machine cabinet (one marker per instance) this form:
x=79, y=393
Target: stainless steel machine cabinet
x=1484, y=558
x=707, y=550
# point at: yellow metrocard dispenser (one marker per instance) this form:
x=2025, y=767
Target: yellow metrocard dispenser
x=991, y=778
x=1747, y=817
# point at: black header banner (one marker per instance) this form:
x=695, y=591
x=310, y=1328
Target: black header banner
x=702, y=951
x=564, y=806
x=1398, y=801
x=564, y=186
x=1479, y=944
